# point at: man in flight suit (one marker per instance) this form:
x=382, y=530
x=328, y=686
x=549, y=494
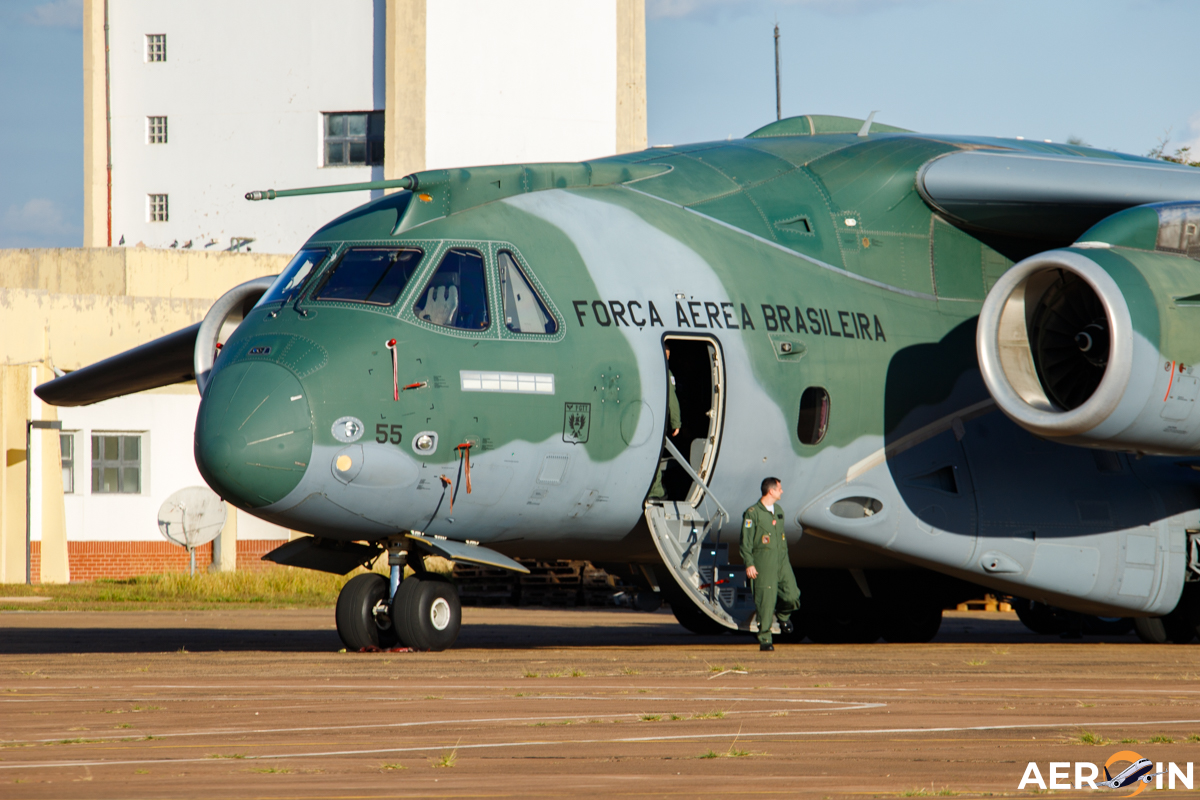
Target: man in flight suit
x=764, y=552
x=657, y=492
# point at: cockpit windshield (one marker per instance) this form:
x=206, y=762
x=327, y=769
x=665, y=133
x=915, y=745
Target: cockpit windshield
x=294, y=276
x=373, y=275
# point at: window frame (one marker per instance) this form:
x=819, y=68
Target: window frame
x=823, y=425
x=490, y=289
x=373, y=144
x=538, y=287
x=121, y=463
x=156, y=48
x=153, y=135
x=537, y=295
x=317, y=280
x=68, y=463
x=332, y=254
x=152, y=211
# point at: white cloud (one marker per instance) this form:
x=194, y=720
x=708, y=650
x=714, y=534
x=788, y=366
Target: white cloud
x=57, y=14
x=37, y=223
x=681, y=9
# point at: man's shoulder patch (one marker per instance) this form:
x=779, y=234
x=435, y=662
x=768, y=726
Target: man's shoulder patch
x=749, y=523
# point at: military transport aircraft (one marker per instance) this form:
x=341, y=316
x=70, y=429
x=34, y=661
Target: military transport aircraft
x=972, y=362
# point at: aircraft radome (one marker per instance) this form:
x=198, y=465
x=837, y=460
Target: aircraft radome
x=971, y=361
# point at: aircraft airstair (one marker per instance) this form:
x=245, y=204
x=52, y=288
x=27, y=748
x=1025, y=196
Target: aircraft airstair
x=688, y=537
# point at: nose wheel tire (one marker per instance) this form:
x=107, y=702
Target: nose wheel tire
x=363, y=615
x=428, y=613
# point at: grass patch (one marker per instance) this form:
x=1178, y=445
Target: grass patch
x=1195, y=737
x=392, y=766
x=272, y=771
x=651, y=717
x=1131, y=741
x=223, y=755
x=629, y=671
x=921, y=791
x=709, y=715
x=445, y=760
x=278, y=587
x=710, y=754
x=1160, y=739
x=578, y=673
x=141, y=772
x=676, y=717
x=1087, y=737
x=975, y=662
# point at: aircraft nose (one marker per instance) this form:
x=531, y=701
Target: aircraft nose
x=253, y=433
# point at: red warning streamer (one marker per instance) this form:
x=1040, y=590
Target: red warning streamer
x=464, y=451
x=391, y=345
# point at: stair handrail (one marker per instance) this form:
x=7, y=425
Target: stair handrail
x=688, y=469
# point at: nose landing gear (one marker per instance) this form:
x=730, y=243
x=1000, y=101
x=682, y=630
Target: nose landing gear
x=424, y=614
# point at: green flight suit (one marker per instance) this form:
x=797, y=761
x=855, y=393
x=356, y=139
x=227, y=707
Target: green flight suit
x=764, y=547
x=657, y=491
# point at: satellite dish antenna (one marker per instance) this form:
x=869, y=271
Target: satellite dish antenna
x=191, y=517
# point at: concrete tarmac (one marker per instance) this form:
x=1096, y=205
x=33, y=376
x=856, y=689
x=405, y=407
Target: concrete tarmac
x=548, y=703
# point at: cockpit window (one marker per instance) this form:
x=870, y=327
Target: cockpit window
x=373, y=275
x=294, y=276
x=456, y=295
x=524, y=311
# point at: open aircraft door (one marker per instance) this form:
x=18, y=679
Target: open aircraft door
x=686, y=526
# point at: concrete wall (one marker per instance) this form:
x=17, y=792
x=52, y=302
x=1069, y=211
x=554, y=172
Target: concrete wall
x=246, y=82
x=70, y=308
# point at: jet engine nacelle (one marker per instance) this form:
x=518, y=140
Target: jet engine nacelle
x=1094, y=345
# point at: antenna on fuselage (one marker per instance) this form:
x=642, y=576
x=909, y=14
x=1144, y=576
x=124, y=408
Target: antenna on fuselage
x=778, y=95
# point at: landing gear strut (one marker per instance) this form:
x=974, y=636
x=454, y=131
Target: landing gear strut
x=422, y=611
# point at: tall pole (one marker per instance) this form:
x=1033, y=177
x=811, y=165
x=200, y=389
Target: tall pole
x=778, y=99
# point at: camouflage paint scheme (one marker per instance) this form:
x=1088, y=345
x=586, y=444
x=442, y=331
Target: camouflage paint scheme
x=802, y=233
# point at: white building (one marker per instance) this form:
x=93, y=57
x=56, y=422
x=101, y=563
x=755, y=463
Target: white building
x=199, y=103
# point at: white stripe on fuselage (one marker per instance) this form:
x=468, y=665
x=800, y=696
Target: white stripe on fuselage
x=627, y=256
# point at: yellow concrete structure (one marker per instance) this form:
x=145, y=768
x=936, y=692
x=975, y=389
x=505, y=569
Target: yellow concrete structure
x=631, y=76
x=404, y=125
x=64, y=309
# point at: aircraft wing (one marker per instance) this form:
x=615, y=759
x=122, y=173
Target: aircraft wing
x=1046, y=196
x=162, y=362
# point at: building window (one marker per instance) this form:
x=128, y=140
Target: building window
x=156, y=47
x=157, y=207
x=66, y=444
x=156, y=130
x=116, y=464
x=353, y=139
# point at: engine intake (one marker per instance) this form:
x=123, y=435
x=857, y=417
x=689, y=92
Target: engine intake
x=1055, y=343
x=1093, y=346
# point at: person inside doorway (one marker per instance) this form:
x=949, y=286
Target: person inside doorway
x=657, y=492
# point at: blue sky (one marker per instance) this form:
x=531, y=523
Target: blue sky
x=1117, y=73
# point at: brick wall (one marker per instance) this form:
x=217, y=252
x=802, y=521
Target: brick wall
x=92, y=560
x=35, y=561
x=251, y=551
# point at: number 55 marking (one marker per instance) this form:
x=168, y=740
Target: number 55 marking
x=385, y=433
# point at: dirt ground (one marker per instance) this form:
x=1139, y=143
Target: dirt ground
x=545, y=703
